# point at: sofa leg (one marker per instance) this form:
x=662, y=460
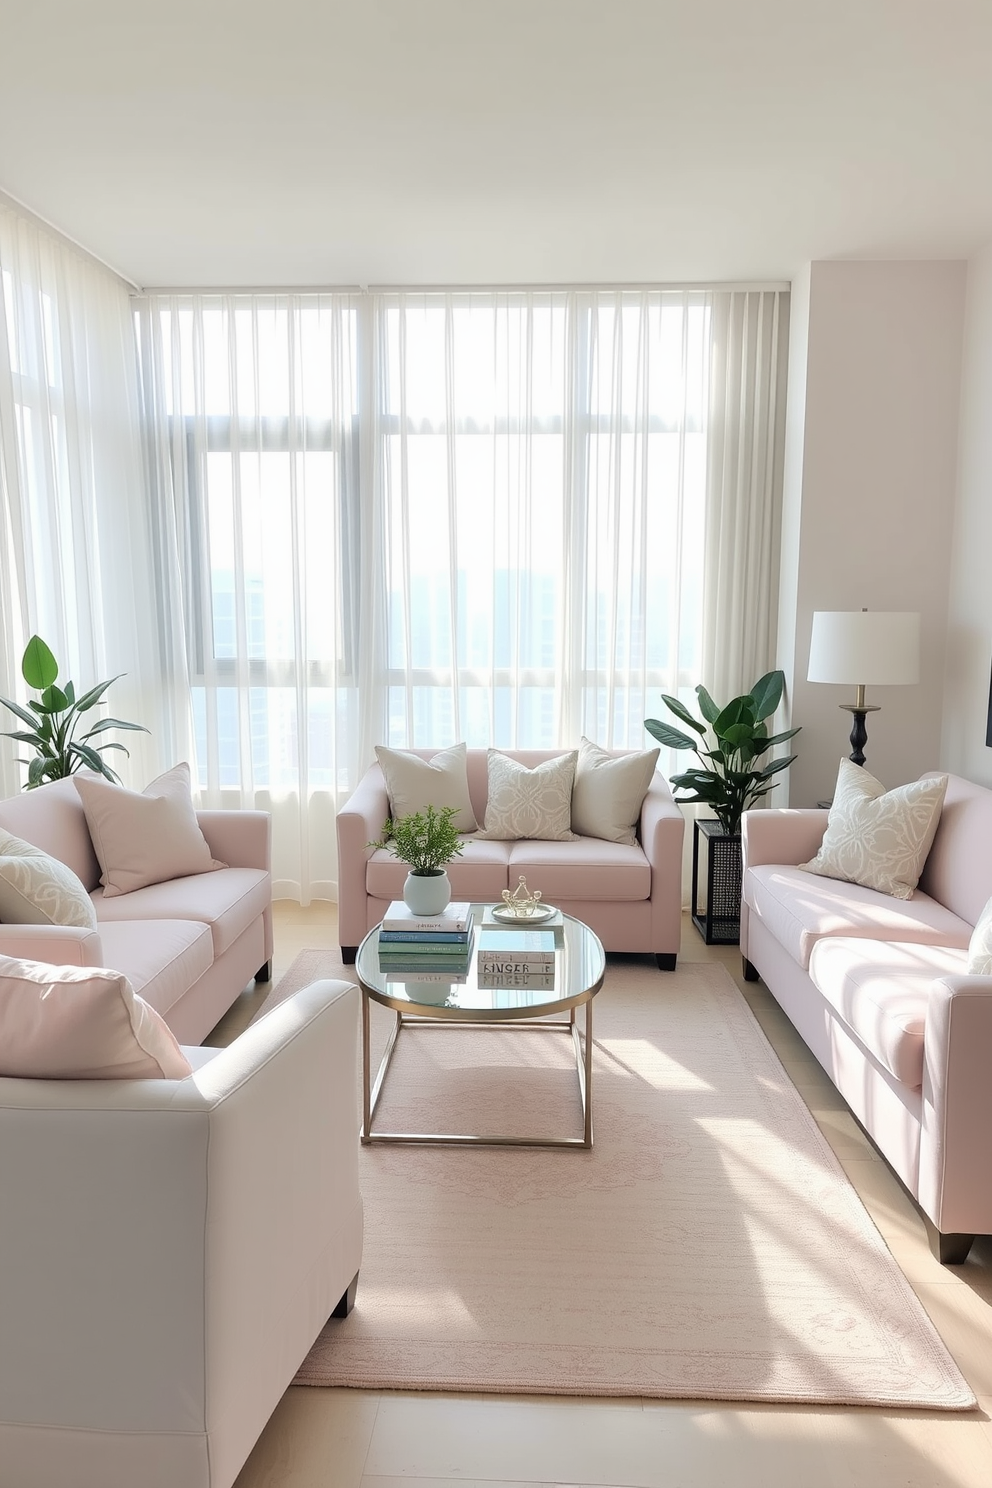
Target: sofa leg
x=348, y=954
x=348, y=1299
x=750, y=970
x=666, y=960
x=947, y=1248
x=264, y=973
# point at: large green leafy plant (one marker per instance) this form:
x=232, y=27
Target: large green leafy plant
x=56, y=717
x=728, y=744
x=425, y=840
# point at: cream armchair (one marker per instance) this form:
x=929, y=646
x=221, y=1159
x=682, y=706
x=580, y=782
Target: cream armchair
x=169, y=1251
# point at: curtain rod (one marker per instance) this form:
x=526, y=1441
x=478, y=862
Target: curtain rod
x=637, y=286
x=64, y=237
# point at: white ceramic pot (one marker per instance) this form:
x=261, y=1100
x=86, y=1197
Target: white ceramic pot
x=427, y=893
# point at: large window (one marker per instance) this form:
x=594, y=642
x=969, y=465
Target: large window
x=419, y=517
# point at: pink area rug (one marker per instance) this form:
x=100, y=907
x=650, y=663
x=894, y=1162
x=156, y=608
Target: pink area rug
x=709, y=1246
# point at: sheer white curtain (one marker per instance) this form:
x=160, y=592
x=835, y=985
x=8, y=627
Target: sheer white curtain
x=76, y=562
x=745, y=444
x=253, y=470
x=539, y=503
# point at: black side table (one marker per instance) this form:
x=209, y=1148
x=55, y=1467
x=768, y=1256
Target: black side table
x=720, y=922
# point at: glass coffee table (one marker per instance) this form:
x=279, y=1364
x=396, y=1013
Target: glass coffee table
x=580, y=966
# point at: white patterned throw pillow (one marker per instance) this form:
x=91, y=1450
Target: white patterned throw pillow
x=980, y=945
x=530, y=802
x=879, y=838
x=36, y=889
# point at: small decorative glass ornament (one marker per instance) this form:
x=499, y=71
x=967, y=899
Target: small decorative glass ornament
x=521, y=902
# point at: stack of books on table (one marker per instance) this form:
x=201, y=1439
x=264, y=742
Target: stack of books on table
x=516, y=958
x=415, y=944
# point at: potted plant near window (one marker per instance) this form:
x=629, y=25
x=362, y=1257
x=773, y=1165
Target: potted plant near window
x=55, y=717
x=426, y=841
x=729, y=779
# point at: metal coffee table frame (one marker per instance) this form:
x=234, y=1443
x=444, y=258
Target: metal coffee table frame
x=425, y=1016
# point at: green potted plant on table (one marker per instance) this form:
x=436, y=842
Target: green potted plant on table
x=54, y=718
x=729, y=743
x=426, y=841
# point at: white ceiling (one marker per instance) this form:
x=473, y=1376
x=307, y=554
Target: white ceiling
x=311, y=142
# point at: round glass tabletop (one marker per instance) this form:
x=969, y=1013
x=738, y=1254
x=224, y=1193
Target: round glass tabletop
x=577, y=975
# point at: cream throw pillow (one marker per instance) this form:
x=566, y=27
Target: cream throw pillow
x=144, y=837
x=413, y=784
x=609, y=791
x=36, y=889
x=81, y=1023
x=980, y=945
x=530, y=803
x=879, y=838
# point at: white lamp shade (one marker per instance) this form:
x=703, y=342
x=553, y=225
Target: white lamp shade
x=878, y=648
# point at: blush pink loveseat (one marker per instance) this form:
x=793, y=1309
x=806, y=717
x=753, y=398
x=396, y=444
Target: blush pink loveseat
x=190, y=946
x=630, y=896
x=878, y=989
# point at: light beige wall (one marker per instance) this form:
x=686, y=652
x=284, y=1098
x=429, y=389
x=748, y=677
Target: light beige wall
x=969, y=647
x=870, y=496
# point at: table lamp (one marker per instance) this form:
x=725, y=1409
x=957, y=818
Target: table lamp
x=877, y=648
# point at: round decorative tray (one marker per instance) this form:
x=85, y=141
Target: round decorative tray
x=508, y=916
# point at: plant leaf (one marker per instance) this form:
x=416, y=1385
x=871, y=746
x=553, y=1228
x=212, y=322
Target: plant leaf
x=707, y=706
x=54, y=699
x=767, y=693
x=113, y=723
x=89, y=699
x=38, y=666
x=91, y=757
x=673, y=738
x=19, y=712
x=681, y=711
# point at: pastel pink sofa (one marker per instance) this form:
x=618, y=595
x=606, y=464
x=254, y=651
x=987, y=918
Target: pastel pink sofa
x=877, y=988
x=189, y=947
x=630, y=896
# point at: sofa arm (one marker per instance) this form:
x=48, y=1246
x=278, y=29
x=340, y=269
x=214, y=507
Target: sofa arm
x=359, y=822
x=242, y=839
x=779, y=834
x=56, y=945
x=662, y=830
x=955, y=1186
x=172, y=1248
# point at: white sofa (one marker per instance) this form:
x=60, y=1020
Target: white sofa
x=877, y=987
x=630, y=896
x=189, y=947
x=171, y=1249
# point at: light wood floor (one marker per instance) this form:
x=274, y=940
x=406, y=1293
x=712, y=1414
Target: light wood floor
x=358, y=1439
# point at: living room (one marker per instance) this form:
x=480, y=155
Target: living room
x=835, y=159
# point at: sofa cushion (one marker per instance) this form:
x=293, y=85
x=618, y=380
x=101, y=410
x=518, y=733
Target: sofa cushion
x=413, y=784
x=609, y=791
x=880, y=990
x=36, y=889
x=144, y=837
x=51, y=817
x=876, y=837
x=587, y=868
x=80, y=1023
x=799, y=909
x=533, y=802
x=162, y=959
x=228, y=900
x=479, y=875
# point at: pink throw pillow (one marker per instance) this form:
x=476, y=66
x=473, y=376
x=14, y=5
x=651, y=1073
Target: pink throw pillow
x=81, y=1023
x=144, y=837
